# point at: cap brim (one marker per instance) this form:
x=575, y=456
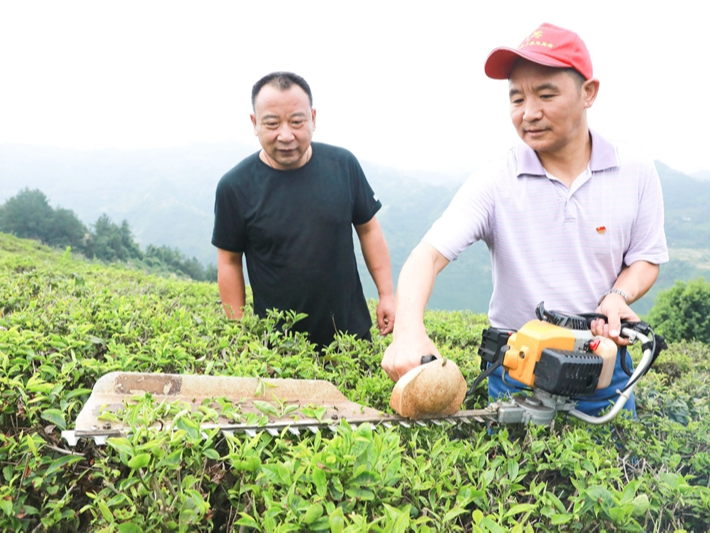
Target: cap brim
x=501, y=60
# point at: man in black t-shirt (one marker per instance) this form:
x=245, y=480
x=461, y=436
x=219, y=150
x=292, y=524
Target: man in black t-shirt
x=290, y=209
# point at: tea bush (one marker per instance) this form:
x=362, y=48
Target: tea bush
x=683, y=311
x=65, y=322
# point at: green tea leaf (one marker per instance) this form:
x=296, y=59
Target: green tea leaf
x=561, y=519
x=641, y=505
x=512, y=469
x=336, y=521
x=6, y=507
x=139, y=461
x=519, y=508
x=129, y=527
x=314, y=412
x=266, y=408
x=247, y=521
x=211, y=453
x=288, y=409
x=320, y=481
x=60, y=463
x=106, y=512
x=492, y=526
x=453, y=513
x=315, y=511
x=120, y=444
x=55, y=416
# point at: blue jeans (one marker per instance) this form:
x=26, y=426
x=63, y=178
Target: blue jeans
x=591, y=405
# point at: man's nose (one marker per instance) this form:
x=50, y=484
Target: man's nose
x=285, y=134
x=532, y=111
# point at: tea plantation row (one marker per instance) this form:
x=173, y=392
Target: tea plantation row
x=64, y=323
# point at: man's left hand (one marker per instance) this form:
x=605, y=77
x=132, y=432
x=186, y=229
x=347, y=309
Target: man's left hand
x=614, y=307
x=385, y=315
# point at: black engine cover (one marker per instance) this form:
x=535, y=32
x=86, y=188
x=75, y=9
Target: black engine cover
x=568, y=373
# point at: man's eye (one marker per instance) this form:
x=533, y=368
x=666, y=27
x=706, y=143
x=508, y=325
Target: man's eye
x=517, y=101
x=296, y=122
x=547, y=96
x=271, y=124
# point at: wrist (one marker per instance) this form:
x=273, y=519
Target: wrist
x=620, y=292
x=408, y=330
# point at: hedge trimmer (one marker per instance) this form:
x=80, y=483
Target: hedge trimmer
x=556, y=358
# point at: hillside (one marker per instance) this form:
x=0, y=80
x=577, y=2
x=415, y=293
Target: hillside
x=64, y=323
x=687, y=216
x=167, y=198
x=166, y=195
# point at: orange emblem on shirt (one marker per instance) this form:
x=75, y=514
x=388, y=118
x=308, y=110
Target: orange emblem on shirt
x=601, y=230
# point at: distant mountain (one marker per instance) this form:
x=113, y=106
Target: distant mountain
x=409, y=209
x=686, y=202
x=702, y=175
x=167, y=197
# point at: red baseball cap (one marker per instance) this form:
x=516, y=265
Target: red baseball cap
x=548, y=45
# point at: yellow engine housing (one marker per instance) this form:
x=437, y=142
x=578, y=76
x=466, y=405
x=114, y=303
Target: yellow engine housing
x=527, y=344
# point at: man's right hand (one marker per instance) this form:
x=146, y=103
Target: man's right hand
x=405, y=353
x=409, y=339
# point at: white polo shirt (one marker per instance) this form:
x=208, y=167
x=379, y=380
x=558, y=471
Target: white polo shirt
x=564, y=246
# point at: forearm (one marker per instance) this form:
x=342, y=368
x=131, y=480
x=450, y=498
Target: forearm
x=379, y=265
x=410, y=341
x=415, y=285
x=636, y=279
x=230, y=281
x=377, y=256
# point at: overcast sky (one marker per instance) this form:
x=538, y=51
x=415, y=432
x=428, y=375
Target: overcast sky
x=398, y=83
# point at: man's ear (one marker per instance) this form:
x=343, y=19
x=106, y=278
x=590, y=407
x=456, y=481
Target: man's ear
x=313, y=117
x=590, y=90
x=253, y=122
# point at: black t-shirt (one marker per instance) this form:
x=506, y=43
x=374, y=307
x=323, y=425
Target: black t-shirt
x=295, y=230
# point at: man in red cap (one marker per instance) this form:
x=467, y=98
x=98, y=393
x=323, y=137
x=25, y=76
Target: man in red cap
x=569, y=218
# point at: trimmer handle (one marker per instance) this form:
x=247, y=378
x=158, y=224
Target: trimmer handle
x=581, y=321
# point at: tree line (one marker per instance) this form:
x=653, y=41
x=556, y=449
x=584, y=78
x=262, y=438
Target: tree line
x=681, y=312
x=28, y=215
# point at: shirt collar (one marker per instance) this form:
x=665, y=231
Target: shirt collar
x=604, y=157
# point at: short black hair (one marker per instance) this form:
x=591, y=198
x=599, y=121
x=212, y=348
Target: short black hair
x=578, y=77
x=282, y=81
